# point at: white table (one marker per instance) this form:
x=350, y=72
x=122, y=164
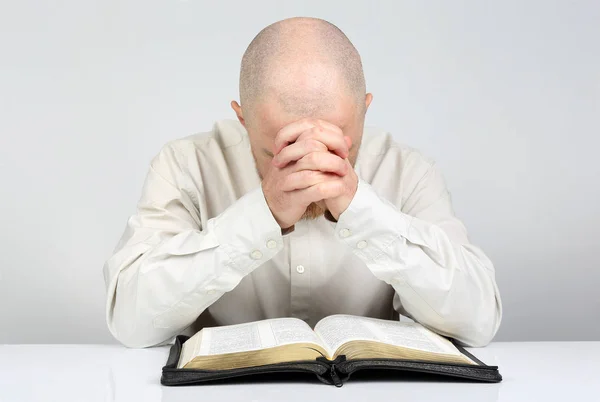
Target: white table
x=532, y=371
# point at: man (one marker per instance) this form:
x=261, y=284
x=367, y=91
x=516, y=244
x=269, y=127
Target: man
x=296, y=210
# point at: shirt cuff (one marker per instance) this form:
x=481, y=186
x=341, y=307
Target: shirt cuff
x=371, y=224
x=248, y=232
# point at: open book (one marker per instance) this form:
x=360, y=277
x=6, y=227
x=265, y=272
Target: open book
x=344, y=341
x=281, y=340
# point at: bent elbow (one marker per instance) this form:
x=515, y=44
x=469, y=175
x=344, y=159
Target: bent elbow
x=480, y=330
x=477, y=337
x=129, y=324
x=134, y=337
x=134, y=331
x=477, y=313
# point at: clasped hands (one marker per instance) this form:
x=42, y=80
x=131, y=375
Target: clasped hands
x=310, y=164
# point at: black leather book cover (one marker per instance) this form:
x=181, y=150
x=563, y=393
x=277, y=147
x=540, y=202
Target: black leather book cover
x=334, y=372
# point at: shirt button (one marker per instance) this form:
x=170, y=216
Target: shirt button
x=345, y=232
x=211, y=292
x=300, y=269
x=271, y=244
x=361, y=244
x=256, y=254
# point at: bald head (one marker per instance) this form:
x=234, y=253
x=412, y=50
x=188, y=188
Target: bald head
x=305, y=64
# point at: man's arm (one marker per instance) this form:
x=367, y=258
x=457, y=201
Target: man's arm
x=167, y=269
x=443, y=281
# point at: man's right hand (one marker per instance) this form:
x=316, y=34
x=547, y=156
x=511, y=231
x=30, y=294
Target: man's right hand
x=312, y=150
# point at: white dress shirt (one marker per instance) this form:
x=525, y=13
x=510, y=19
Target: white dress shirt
x=203, y=248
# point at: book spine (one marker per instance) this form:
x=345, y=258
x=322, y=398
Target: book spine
x=334, y=375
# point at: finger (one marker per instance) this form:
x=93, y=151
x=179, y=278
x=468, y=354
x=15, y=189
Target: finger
x=334, y=141
x=296, y=151
x=304, y=179
x=320, y=191
x=324, y=162
x=328, y=125
x=288, y=134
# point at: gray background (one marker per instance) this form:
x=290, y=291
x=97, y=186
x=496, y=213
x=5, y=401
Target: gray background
x=504, y=95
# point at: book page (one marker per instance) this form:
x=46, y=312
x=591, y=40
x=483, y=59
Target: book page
x=410, y=335
x=336, y=330
x=189, y=349
x=293, y=330
x=255, y=335
x=230, y=339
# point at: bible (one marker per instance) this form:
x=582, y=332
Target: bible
x=338, y=346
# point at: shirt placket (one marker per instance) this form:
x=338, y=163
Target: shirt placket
x=300, y=266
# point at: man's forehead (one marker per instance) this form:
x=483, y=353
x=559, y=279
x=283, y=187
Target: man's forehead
x=273, y=119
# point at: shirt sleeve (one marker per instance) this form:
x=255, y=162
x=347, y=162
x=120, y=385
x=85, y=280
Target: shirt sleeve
x=443, y=282
x=167, y=269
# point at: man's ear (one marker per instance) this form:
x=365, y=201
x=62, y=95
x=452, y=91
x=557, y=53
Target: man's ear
x=238, y=112
x=368, y=100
